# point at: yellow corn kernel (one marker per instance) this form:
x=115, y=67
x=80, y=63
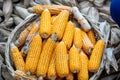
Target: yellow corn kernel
x=92, y=37
x=17, y=58
x=45, y=56
x=68, y=35
x=70, y=76
x=74, y=60
x=33, y=54
x=61, y=61
x=83, y=74
x=51, y=70
x=53, y=19
x=45, y=24
x=60, y=24
x=32, y=33
x=52, y=9
x=87, y=44
x=96, y=56
x=77, y=38
x=21, y=40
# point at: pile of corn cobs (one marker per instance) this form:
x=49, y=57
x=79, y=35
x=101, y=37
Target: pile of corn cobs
x=56, y=47
x=96, y=12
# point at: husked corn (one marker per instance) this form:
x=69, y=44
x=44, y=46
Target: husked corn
x=96, y=56
x=60, y=24
x=33, y=54
x=52, y=9
x=45, y=56
x=17, y=58
x=51, y=69
x=32, y=33
x=92, y=37
x=68, y=35
x=83, y=74
x=74, y=60
x=87, y=44
x=77, y=38
x=45, y=24
x=61, y=61
x=23, y=35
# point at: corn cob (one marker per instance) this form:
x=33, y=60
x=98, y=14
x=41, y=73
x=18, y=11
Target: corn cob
x=17, y=58
x=61, y=61
x=51, y=70
x=21, y=40
x=45, y=24
x=32, y=33
x=87, y=44
x=83, y=74
x=96, y=56
x=68, y=35
x=33, y=54
x=74, y=60
x=60, y=24
x=46, y=56
x=77, y=38
x=70, y=76
x=92, y=37
x=52, y=9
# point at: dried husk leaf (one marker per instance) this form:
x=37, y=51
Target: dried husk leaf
x=7, y=9
x=115, y=36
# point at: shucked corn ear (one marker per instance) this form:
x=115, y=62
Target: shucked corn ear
x=60, y=24
x=33, y=54
x=52, y=9
x=45, y=56
x=68, y=35
x=77, y=38
x=74, y=59
x=32, y=33
x=87, y=44
x=92, y=37
x=61, y=61
x=45, y=24
x=70, y=76
x=51, y=69
x=96, y=56
x=17, y=58
x=21, y=40
x=83, y=74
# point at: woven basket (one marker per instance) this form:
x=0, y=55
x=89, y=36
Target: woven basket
x=13, y=37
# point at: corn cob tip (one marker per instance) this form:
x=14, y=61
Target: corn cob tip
x=31, y=10
x=12, y=45
x=17, y=43
x=45, y=35
x=40, y=78
x=54, y=37
x=61, y=42
x=46, y=9
x=28, y=73
x=73, y=46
